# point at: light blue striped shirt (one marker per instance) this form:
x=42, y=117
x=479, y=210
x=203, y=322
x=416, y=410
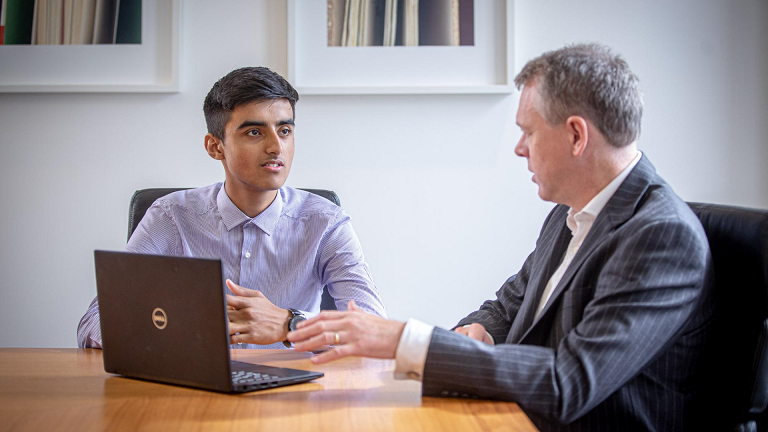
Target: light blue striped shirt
x=288, y=252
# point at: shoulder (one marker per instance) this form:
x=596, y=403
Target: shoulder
x=664, y=224
x=197, y=201
x=661, y=205
x=646, y=199
x=299, y=204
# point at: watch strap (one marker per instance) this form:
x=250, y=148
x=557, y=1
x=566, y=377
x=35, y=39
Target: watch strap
x=296, y=317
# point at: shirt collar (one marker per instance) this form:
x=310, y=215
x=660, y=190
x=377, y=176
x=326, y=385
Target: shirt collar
x=233, y=216
x=596, y=204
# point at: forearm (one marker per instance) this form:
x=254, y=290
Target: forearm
x=457, y=366
x=341, y=266
x=362, y=291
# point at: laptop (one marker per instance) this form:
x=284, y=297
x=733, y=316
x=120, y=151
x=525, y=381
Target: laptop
x=164, y=319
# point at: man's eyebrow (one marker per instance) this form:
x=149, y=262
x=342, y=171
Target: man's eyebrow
x=249, y=123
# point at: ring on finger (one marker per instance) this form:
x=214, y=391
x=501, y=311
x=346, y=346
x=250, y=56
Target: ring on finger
x=336, y=338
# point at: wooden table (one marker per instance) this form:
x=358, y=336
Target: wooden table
x=67, y=389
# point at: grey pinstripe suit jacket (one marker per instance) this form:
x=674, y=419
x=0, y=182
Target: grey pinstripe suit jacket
x=619, y=345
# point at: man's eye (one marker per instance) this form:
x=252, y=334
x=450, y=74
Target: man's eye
x=286, y=131
x=253, y=132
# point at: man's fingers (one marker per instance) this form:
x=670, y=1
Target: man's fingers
x=240, y=302
x=323, y=316
x=236, y=302
x=321, y=340
x=237, y=328
x=233, y=286
x=238, y=338
x=243, y=292
x=352, y=306
x=237, y=316
x=308, y=331
x=476, y=332
x=462, y=330
x=333, y=354
x=472, y=332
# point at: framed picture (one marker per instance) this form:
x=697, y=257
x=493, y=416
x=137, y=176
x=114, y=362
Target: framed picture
x=400, y=46
x=114, y=57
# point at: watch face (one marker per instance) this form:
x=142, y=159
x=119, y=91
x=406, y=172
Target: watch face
x=295, y=320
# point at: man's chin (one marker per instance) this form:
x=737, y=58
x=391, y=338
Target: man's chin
x=270, y=184
x=261, y=187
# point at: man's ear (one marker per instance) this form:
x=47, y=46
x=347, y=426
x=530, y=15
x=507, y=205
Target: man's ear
x=214, y=146
x=578, y=131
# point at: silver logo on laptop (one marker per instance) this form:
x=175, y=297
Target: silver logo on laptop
x=159, y=319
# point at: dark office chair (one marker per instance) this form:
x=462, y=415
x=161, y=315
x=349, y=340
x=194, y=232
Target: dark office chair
x=143, y=199
x=738, y=239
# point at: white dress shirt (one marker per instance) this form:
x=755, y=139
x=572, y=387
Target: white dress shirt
x=412, y=349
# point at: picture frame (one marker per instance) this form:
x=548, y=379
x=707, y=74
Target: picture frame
x=149, y=67
x=316, y=68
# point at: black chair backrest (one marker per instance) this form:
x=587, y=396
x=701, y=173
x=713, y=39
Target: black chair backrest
x=143, y=199
x=738, y=239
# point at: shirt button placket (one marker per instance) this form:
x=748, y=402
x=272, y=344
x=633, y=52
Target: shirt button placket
x=245, y=265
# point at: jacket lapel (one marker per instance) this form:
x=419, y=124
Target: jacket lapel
x=618, y=210
x=552, y=254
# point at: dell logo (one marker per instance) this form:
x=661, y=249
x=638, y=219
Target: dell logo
x=159, y=319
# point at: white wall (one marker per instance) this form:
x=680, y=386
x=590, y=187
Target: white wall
x=444, y=209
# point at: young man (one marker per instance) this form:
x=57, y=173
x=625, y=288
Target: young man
x=278, y=245
x=605, y=326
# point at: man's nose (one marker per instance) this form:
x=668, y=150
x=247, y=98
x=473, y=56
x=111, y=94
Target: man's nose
x=273, y=144
x=520, y=148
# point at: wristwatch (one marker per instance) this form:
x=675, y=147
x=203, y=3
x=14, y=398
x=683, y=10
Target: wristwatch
x=296, y=317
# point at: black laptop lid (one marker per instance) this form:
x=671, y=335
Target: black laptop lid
x=164, y=318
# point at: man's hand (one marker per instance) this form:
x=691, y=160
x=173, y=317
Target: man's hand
x=359, y=334
x=475, y=331
x=253, y=318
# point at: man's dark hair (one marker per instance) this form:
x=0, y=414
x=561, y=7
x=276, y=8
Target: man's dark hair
x=242, y=86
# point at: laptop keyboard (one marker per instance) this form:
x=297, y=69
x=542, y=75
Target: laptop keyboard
x=247, y=377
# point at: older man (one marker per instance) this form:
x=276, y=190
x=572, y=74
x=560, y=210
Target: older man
x=603, y=327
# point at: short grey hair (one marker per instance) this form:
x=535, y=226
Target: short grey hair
x=588, y=80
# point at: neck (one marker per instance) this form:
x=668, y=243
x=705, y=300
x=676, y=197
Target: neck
x=600, y=170
x=251, y=202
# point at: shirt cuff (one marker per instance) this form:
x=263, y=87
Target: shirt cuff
x=412, y=350
x=309, y=315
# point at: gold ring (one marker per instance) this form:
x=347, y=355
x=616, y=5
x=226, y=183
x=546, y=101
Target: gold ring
x=336, y=338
